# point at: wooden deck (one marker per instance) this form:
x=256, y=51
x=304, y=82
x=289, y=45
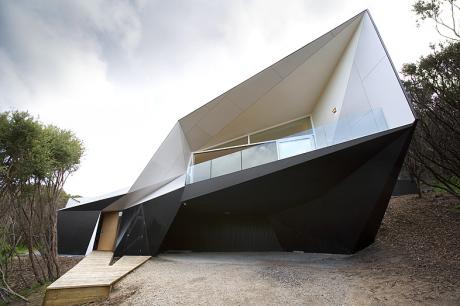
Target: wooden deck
x=91, y=279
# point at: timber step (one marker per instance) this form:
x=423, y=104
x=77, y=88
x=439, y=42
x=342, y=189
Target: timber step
x=91, y=279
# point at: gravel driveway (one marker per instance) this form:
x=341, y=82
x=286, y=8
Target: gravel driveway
x=415, y=260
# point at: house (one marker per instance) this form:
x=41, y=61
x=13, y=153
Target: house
x=303, y=156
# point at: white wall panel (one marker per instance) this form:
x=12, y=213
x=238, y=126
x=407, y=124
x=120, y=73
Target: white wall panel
x=384, y=91
x=334, y=93
x=167, y=162
x=355, y=100
x=370, y=50
x=90, y=247
x=171, y=186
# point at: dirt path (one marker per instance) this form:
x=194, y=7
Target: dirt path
x=415, y=260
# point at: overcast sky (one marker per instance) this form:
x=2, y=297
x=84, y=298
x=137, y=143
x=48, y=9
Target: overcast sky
x=120, y=73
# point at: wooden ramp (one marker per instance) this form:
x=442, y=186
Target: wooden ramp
x=91, y=279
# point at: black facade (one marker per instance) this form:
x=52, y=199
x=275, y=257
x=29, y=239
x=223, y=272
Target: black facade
x=329, y=200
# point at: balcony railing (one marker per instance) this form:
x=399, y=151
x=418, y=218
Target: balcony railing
x=251, y=155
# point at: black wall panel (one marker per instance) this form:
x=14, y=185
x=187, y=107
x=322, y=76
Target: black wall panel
x=159, y=214
x=144, y=226
x=74, y=230
x=213, y=232
x=405, y=186
x=132, y=236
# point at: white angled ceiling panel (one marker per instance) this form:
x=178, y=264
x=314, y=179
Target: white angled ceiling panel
x=290, y=81
x=223, y=113
x=370, y=50
x=247, y=93
x=384, y=92
x=295, y=95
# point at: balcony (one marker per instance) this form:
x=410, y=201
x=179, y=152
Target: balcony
x=255, y=154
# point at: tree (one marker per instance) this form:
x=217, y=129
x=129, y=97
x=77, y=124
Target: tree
x=9, y=240
x=434, y=85
x=35, y=161
x=444, y=13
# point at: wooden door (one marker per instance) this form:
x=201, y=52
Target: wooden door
x=109, y=231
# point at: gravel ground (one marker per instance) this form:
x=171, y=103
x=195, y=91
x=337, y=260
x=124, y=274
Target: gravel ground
x=415, y=260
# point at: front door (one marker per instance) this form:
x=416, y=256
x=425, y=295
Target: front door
x=109, y=231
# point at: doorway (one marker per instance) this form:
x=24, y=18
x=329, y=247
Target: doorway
x=109, y=230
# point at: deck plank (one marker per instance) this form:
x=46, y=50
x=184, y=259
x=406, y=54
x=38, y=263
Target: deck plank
x=93, y=271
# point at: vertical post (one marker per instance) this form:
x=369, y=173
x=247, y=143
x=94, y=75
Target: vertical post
x=210, y=168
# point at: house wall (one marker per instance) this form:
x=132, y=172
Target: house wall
x=323, y=117
x=365, y=91
x=380, y=83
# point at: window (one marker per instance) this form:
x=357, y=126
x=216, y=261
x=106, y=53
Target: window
x=297, y=127
x=281, y=131
x=237, y=142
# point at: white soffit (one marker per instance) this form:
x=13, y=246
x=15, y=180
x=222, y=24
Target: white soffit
x=297, y=80
x=380, y=80
x=295, y=95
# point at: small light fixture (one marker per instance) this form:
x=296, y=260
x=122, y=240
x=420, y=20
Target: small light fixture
x=334, y=110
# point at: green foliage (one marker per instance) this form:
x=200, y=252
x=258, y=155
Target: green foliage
x=427, y=9
x=6, y=251
x=19, y=148
x=63, y=149
x=31, y=152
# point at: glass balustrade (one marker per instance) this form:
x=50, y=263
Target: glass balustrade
x=344, y=129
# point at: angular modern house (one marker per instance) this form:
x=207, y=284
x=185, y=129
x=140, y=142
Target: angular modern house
x=303, y=156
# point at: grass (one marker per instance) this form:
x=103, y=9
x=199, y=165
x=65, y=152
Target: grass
x=454, y=182
x=28, y=292
x=35, y=288
x=22, y=250
x=456, y=208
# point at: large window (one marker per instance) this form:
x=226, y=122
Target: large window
x=237, y=142
x=281, y=131
x=292, y=128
